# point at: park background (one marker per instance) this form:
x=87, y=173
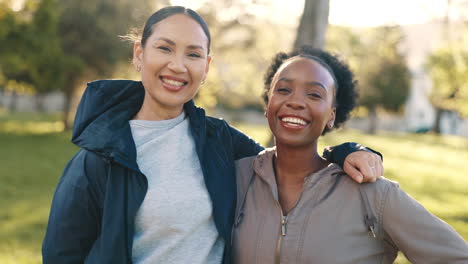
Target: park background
x=410, y=57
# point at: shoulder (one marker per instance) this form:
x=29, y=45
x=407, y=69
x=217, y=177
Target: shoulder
x=381, y=185
x=377, y=192
x=245, y=163
x=198, y=118
x=216, y=123
x=85, y=168
x=88, y=160
x=219, y=127
x=259, y=162
x=244, y=172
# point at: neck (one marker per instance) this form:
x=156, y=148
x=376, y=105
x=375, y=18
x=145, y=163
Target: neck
x=153, y=111
x=293, y=164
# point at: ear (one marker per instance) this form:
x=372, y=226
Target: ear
x=331, y=121
x=207, y=67
x=137, y=53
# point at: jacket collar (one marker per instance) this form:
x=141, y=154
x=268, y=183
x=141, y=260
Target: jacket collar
x=323, y=179
x=263, y=167
x=197, y=120
x=101, y=122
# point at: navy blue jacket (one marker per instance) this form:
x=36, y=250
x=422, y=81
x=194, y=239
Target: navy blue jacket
x=97, y=198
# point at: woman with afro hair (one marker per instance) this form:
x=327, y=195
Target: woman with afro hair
x=296, y=209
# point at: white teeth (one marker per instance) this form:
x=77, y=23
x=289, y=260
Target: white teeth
x=173, y=82
x=294, y=120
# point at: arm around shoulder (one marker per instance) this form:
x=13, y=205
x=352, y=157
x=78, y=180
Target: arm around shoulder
x=243, y=145
x=337, y=154
x=75, y=213
x=420, y=235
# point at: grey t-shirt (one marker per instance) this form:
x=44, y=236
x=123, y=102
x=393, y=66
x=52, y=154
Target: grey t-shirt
x=175, y=222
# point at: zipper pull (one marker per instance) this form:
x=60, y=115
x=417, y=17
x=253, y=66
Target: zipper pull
x=372, y=231
x=239, y=219
x=283, y=225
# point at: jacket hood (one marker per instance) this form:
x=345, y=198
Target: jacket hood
x=101, y=121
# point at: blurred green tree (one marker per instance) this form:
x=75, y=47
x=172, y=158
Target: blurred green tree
x=15, y=36
x=45, y=52
x=386, y=80
x=448, y=68
x=380, y=67
x=89, y=32
x=348, y=43
x=243, y=43
x=56, y=45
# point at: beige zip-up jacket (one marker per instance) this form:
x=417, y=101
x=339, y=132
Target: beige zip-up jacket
x=328, y=225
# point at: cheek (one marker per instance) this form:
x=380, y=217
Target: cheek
x=194, y=90
x=271, y=113
x=198, y=70
x=324, y=112
x=195, y=66
x=153, y=63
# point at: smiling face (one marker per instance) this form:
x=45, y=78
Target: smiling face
x=300, y=102
x=173, y=62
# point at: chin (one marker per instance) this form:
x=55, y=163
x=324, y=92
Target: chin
x=291, y=143
x=296, y=142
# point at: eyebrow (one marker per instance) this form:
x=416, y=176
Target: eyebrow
x=284, y=79
x=170, y=42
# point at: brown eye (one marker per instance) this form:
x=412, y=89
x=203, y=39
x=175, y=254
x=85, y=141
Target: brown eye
x=164, y=48
x=283, y=90
x=194, y=55
x=315, y=95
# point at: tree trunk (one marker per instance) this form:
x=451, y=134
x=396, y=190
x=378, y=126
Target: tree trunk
x=67, y=106
x=2, y=97
x=39, y=99
x=68, y=92
x=313, y=24
x=13, y=101
x=436, y=127
x=373, y=120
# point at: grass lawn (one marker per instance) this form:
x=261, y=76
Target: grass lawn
x=32, y=157
x=33, y=153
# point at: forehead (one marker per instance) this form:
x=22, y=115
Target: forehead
x=304, y=66
x=180, y=28
x=306, y=70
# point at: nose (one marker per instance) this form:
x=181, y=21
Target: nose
x=296, y=101
x=177, y=65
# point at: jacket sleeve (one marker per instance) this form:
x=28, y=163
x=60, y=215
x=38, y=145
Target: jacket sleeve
x=420, y=235
x=243, y=145
x=337, y=154
x=74, y=216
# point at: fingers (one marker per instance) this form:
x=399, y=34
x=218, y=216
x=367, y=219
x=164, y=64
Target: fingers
x=379, y=169
x=355, y=174
x=376, y=165
x=363, y=165
x=368, y=171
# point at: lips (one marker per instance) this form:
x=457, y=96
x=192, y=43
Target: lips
x=172, y=83
x=293, y=121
